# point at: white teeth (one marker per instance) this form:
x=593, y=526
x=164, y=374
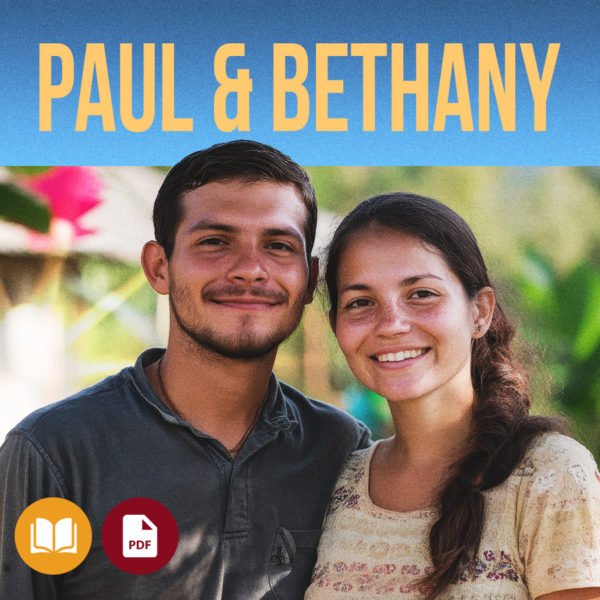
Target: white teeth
x=398, y=356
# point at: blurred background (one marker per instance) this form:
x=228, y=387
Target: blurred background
x=75, y=306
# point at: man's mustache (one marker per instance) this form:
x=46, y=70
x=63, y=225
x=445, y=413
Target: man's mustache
x=235, y=291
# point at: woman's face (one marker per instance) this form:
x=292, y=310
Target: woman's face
x=404, y=321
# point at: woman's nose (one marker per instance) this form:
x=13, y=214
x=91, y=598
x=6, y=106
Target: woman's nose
x=393, y=319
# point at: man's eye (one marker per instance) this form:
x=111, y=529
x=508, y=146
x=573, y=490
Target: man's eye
x=281, y=246
x=211, y=242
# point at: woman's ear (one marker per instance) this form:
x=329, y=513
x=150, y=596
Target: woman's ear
x=484, y=304
x=156, y=266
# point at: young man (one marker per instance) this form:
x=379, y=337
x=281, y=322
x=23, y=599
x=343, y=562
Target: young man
x=244, y=462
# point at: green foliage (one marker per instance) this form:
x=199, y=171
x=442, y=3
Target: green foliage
x=565, y=309
x=19, y=207
x=28, y=170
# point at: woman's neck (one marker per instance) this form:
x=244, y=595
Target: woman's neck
x=432, y=430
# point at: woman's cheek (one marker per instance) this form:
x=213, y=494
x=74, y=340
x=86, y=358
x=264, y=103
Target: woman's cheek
x=350, y=331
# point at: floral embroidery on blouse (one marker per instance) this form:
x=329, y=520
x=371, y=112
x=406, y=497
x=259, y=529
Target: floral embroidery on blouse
x=490, y=565
x=364, y=579
x=541, y=534
x=343, y=496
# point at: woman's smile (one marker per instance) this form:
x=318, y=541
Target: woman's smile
x=403, y=321
x=401, y=356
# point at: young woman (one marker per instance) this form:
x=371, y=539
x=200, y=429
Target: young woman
x=472, y=498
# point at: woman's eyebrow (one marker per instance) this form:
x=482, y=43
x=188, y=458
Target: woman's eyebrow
x=362, y=287
x=355, y=287
x=414, y=278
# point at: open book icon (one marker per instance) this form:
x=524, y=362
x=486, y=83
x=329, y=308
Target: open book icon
x=60, y=537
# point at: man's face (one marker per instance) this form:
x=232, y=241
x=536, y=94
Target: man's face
x=239, y=276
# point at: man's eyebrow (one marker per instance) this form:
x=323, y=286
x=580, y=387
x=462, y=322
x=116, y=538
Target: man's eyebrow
x=285, y=231
x=204, y=224
x=207, y=225
x=363, y=287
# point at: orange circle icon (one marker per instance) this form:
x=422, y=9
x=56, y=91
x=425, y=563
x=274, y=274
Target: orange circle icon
x=53, y=536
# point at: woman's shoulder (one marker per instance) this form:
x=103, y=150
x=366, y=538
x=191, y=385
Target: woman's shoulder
x=352, y=483
x=357, y=465
x=558, y=515
x=557, y=451
x=557, y=465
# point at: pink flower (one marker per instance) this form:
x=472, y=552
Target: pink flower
x=70, y=192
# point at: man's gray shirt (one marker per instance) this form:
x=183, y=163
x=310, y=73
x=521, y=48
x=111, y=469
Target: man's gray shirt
x=248, y=528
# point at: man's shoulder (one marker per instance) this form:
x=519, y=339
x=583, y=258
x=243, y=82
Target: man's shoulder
x=78, y=409
x=320, y=414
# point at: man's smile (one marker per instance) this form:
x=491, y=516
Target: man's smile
x=247, y=302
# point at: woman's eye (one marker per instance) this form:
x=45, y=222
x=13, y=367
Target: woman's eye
x=358, y=303
x=423, y=294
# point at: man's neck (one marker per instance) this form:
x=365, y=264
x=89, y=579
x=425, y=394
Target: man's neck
x=219, y=396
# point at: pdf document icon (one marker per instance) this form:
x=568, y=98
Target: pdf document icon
x=140, y=537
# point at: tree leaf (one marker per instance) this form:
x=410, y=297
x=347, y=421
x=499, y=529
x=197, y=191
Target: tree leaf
x=19, y=207
x=587, y=337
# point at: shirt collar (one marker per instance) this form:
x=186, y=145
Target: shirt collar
x=276, y=415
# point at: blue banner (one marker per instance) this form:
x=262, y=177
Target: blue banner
x=347, y=83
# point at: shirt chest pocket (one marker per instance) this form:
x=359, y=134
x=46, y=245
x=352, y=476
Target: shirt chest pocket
x=293, y=557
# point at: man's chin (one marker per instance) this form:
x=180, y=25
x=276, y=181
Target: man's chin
x=241, y=352
x=243, y=339
x=246, y=348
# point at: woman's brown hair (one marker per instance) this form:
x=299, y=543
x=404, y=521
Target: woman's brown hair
x=503, y=428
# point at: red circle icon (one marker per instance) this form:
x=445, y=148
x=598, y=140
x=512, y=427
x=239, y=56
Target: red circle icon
x=140, y=535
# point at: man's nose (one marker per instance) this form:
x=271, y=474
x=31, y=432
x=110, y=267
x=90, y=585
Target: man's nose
x=393, y=319
x=248, y=266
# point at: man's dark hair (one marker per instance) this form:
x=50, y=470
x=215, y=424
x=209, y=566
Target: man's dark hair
x=243, y=160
